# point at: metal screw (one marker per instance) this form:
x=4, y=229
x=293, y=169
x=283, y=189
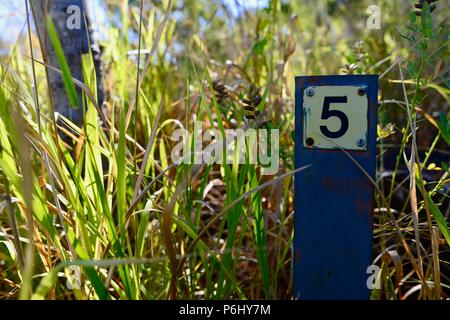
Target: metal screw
x=361, y=143
x=309, y=92
x=309, y=142
x=362, y=91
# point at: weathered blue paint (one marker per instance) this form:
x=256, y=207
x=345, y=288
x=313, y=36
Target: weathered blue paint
x=334, y=203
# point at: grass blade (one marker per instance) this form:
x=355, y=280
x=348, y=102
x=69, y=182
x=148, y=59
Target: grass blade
x=66, y=74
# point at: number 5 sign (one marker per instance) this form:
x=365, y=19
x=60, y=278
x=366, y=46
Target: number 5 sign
x=334, y=199
x=335, y=117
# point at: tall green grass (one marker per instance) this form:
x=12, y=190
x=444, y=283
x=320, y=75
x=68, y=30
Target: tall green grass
x=141, y=226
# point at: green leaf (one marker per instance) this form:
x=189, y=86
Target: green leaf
x=411, y=67
x=438, y=216
x=258, y=47
x=427, y=22
x=121, y=173
x=413, y=19
x=66, y=74
x=444, y=127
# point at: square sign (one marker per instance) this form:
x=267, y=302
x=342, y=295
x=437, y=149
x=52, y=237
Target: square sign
x=335, y=117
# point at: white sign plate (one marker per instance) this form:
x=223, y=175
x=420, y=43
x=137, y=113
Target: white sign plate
x=335, y=117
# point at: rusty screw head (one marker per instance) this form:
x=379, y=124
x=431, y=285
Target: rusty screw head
x=309, y=142
x=362, y=91
x=309, y=92
x=361, y=143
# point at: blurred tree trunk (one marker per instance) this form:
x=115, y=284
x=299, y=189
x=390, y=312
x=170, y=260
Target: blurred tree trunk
x=74, y=38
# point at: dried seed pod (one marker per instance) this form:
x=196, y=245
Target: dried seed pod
x=349, y=69
x=251, y=103
x=220, y=91
x=359, y=51
x=257, y=100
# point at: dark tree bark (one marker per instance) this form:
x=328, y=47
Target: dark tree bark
x=75, y=42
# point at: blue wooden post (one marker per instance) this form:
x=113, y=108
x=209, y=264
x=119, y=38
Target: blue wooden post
x=334, y=199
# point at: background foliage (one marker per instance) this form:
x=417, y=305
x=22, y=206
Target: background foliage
x=109, y=215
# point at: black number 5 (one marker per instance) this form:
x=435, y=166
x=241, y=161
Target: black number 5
x=327, y=113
